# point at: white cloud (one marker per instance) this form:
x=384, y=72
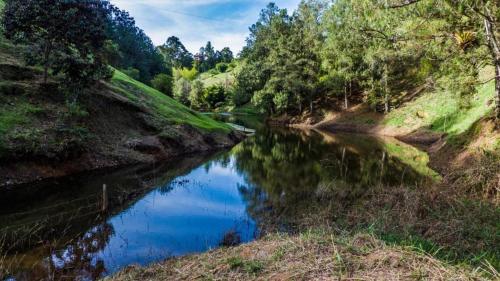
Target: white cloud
x=195, y=22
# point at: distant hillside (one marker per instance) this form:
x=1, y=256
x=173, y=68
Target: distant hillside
x=226, y=78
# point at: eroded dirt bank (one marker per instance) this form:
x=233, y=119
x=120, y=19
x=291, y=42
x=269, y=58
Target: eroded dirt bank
x=114, y=132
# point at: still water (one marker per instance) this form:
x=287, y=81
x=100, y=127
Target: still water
x=61, y=230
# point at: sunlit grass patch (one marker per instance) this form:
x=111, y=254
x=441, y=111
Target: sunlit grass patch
x=411, y=156
x=444, y=111
x=165, y=106
x=13, y=116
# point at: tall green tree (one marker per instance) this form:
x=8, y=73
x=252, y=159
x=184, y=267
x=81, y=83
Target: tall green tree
x=182, y=89
x=284, y=51
x=68, y=37
x=136, y=48
x=176, y=53
x=226, y=55
x=207, y=58
x=474, y=24
x=196, y=96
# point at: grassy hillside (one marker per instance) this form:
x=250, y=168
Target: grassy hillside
x=437, y=111
x=163, y=105
x=217, y=79
x=118, y=122
x=442, y=111
x=227, y=78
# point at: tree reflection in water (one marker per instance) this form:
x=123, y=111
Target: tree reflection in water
x=78, y=259
x=290, y=172
x=281, y=177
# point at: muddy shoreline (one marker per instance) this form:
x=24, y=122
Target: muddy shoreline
x=21, y=172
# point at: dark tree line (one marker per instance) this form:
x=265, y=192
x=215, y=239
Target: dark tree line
x=67, y=38
x=206, y=59
x=79, y=39
x=131, y=47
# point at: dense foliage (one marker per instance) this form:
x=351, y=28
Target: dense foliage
x=369, y=50
x=78, y=39
x=208, y=58
x=134, y=49
x=176, y=53
x=67, y=38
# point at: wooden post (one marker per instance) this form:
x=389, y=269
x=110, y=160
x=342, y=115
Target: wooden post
x=104, y=198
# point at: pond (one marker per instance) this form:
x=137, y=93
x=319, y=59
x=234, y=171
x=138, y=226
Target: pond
x=74, y=228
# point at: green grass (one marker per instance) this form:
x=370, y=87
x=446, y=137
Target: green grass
x=443, y=111
x=412, y=157
x=166, y=107
x=218, y=79
x=247, y=109
x=12, y=116
x=209, y=79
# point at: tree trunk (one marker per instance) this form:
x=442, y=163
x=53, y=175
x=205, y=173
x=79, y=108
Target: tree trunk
x=46, y=58
x=45, y=73
x=495, y=53
x=386, y=90
x=342, y=164
x=346, y=101
x=350, y=88
x=386, y=103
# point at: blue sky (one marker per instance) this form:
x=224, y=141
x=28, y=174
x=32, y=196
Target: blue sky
x=224, y=22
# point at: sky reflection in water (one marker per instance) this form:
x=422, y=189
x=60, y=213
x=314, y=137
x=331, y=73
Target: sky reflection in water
x=191, y=204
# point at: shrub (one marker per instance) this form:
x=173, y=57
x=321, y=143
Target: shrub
x=281, y=102
x=186, y=73
x=213, y=71
x=182, y=89
x=241, y=97
x=215, y=95
x=163, y=83
x=196, y=97
x=222, y=67
x=132, y=73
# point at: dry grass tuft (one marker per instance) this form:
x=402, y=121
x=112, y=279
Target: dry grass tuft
x=309, y=256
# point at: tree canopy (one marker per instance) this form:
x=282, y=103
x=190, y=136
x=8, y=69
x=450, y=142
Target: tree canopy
x=367, y=50
x=135, y=49
x=68, y=37
x=176, y=53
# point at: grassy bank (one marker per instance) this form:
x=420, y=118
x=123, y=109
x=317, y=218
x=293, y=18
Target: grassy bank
x=442, y=111
x=116, y=122
x=312, y=255
x=166, y=107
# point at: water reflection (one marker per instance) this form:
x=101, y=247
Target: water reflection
x=58, y=230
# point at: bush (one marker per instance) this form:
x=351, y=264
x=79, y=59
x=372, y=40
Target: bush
x=222, y=67
x=196, y=95
x=182, y=89
x=163, y=83
x=281, y=102
x=186, y=73
x=132, y=73
x=215, y=95
x=213, y=71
